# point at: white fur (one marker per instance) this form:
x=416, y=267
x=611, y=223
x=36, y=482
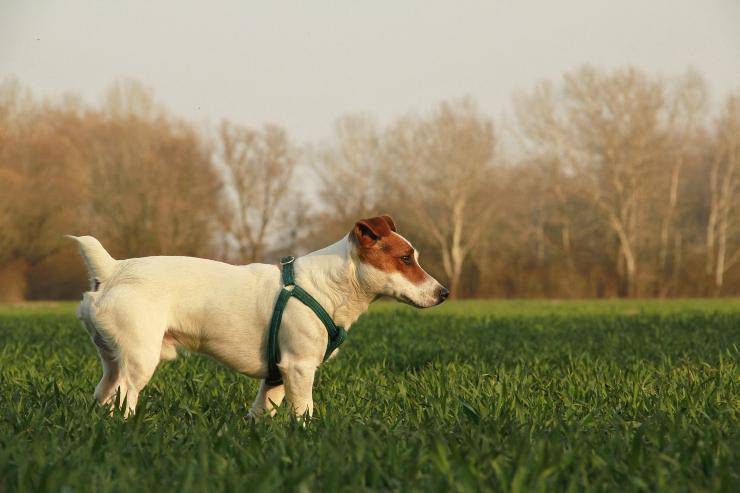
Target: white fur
x=144, y=308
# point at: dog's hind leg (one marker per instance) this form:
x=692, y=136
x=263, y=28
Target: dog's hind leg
x=130, y=334
x=139, y=359
x=106, y=388
x=268, y=400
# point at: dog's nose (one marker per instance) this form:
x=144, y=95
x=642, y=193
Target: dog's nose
x=443, y=294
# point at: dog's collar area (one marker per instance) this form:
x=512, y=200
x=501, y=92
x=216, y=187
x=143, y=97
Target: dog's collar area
x=337, y=334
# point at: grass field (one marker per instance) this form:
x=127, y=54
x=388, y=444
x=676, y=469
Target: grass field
x=506, y=396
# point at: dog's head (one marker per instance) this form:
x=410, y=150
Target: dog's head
x=387, y=264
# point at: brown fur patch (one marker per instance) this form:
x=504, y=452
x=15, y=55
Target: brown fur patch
x=378, y=245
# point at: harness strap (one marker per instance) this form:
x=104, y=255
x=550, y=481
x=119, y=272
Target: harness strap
x=337, y=334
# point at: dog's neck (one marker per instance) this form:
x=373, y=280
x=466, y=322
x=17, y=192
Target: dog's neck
x=330, y=275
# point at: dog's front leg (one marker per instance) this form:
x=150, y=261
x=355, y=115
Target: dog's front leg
x=299, y=387
x=268, y=399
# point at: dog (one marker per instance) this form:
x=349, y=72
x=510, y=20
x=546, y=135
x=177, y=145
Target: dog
x=140, y=310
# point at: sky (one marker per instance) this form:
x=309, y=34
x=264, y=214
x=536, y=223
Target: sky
x=303, y=64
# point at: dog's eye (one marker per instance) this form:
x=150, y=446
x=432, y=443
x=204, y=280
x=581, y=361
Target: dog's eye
x=406, y=259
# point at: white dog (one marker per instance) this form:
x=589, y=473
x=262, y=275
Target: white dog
x=140, y=310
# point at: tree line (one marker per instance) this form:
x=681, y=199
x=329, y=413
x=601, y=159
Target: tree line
x=603, y=184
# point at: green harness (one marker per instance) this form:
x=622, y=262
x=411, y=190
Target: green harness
x=336, y=334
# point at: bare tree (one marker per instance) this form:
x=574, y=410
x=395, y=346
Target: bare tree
x=685, y=115
x=545, y=141
x=619, y=118
x=724, y=193
x=351, y=164
x=259, y=166
x=612, y=133
x=438, y=172
x=349, y=181
x=154, y=189
x=39, y=196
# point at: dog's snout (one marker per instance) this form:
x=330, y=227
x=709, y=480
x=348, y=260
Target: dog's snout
x=442, y=294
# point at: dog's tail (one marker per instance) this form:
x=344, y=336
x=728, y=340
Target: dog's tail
x=100, y=265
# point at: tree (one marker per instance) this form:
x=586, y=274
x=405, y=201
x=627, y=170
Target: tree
x=153, y=187
x=258, y=166
x=724, y=193
x=623, y=138
x=437, y=171
x=348, y=170
x=687, y=105
x=549, y=159
x=39, y=194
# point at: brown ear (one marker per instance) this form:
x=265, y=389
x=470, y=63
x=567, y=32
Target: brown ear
x=390, y=222
x=368, y=231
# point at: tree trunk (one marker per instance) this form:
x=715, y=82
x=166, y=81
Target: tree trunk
x=719, y=273
x=452, y=261
x=457, y=254
x=665, y=228
x=627, y=254
x=712, y=219
x=455, y=285
x=631, y=275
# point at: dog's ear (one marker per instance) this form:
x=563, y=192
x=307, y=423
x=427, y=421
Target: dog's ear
x=368, y=231
x=390, y=222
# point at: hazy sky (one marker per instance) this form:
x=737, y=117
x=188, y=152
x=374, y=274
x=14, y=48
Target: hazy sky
x=302, y=64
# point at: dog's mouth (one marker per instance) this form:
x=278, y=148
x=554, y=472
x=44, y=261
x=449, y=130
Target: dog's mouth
x=405, y=299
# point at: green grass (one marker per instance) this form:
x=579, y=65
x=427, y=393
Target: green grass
x=507, y=396
x=498, y=308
